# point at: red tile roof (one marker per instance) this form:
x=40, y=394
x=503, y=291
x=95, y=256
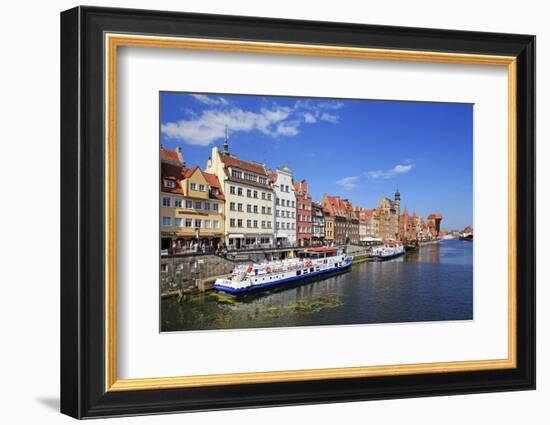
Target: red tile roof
x=178, y=174
x=213, y=181
x=167, y=155
x=231, y=161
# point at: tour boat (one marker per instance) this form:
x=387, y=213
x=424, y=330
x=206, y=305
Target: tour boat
x=312, y=262
x=388, y=250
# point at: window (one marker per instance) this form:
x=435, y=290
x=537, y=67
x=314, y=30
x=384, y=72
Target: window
x=215, y=206
x=232, y=190
x=188, y=204
x=166, y=221
x=193, y=186
x=263, y=180
x=263, y=210
x=202, y=188
x=269, y=224
x=269, y=196
x=256, y=194
x=232, y=222
x=277, y=201
x=165, y=202
x=239, y=223
x=177, y=222
x=198, y=222
x=277, y=225
x=207, y=206
x=178, y=203
x=214, y=191
x=255, y=209
x=198, y=205
x=170, y=184
x=263, y=224
x=248, y=193
x=216, y=224
x=207, y=224
x=269, y=210
x=188, y=222
x=239, y=207
x=236, y=173
x=240, y=191
x=248, y=208
x=263, y=195
x=248, y=223
x=255, y=223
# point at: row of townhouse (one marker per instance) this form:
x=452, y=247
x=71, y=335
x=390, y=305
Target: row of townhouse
x=241, y=204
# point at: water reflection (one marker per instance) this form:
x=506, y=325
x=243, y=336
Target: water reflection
x=434, y=283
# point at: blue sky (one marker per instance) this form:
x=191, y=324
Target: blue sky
x=359, y=149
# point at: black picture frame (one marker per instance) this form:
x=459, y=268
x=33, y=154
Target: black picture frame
x=83, y=392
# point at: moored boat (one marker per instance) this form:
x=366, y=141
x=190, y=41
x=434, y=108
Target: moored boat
x=311, y=263
x=388, y=250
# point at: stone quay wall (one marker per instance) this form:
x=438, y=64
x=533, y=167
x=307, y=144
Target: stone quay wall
x=187, y=272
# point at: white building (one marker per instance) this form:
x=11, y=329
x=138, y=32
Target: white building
x=285, y=206
x=249, y=200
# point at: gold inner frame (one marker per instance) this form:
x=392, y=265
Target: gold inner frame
x=113, y=41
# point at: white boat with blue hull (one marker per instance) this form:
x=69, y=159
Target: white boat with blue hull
x=313, y=262
x=387, y=251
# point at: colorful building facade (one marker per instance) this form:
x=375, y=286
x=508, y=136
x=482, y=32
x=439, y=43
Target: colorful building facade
x=304, y=224
x=249, y=200
x=191, y=206
x=285, y=206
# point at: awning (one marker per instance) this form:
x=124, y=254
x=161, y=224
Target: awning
x=236, y=236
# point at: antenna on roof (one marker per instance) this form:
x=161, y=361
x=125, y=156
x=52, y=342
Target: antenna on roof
x=226, y=143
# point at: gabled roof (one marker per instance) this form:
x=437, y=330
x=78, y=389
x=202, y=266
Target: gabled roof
x=213, y=181
x=272, y=176
x=178, y=174
x=167, y=155
x=231, y=161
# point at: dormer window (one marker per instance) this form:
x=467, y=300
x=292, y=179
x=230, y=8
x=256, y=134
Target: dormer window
x=202, y=187
x=193, y=186
x=236, y=173
x=170, y=184
x=214, y=191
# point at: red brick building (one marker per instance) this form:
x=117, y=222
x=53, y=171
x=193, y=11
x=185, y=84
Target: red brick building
x=304, y=224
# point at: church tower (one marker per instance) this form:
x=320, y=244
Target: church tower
x=397, y=202
x=226, y=143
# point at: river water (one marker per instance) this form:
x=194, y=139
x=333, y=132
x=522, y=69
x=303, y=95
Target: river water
x=433, y=284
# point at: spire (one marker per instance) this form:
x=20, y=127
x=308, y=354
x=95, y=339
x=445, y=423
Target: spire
x=397, y=194
x=225, y=143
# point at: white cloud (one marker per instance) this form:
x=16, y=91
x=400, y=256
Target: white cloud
x=210, y=100
x=309, y=118
x=317, y=110
x=348, y=183
x=287, y=128
x=206, y=127
x=210, y=125
x=399, y=168
x=392, y=172
x=332, y=118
